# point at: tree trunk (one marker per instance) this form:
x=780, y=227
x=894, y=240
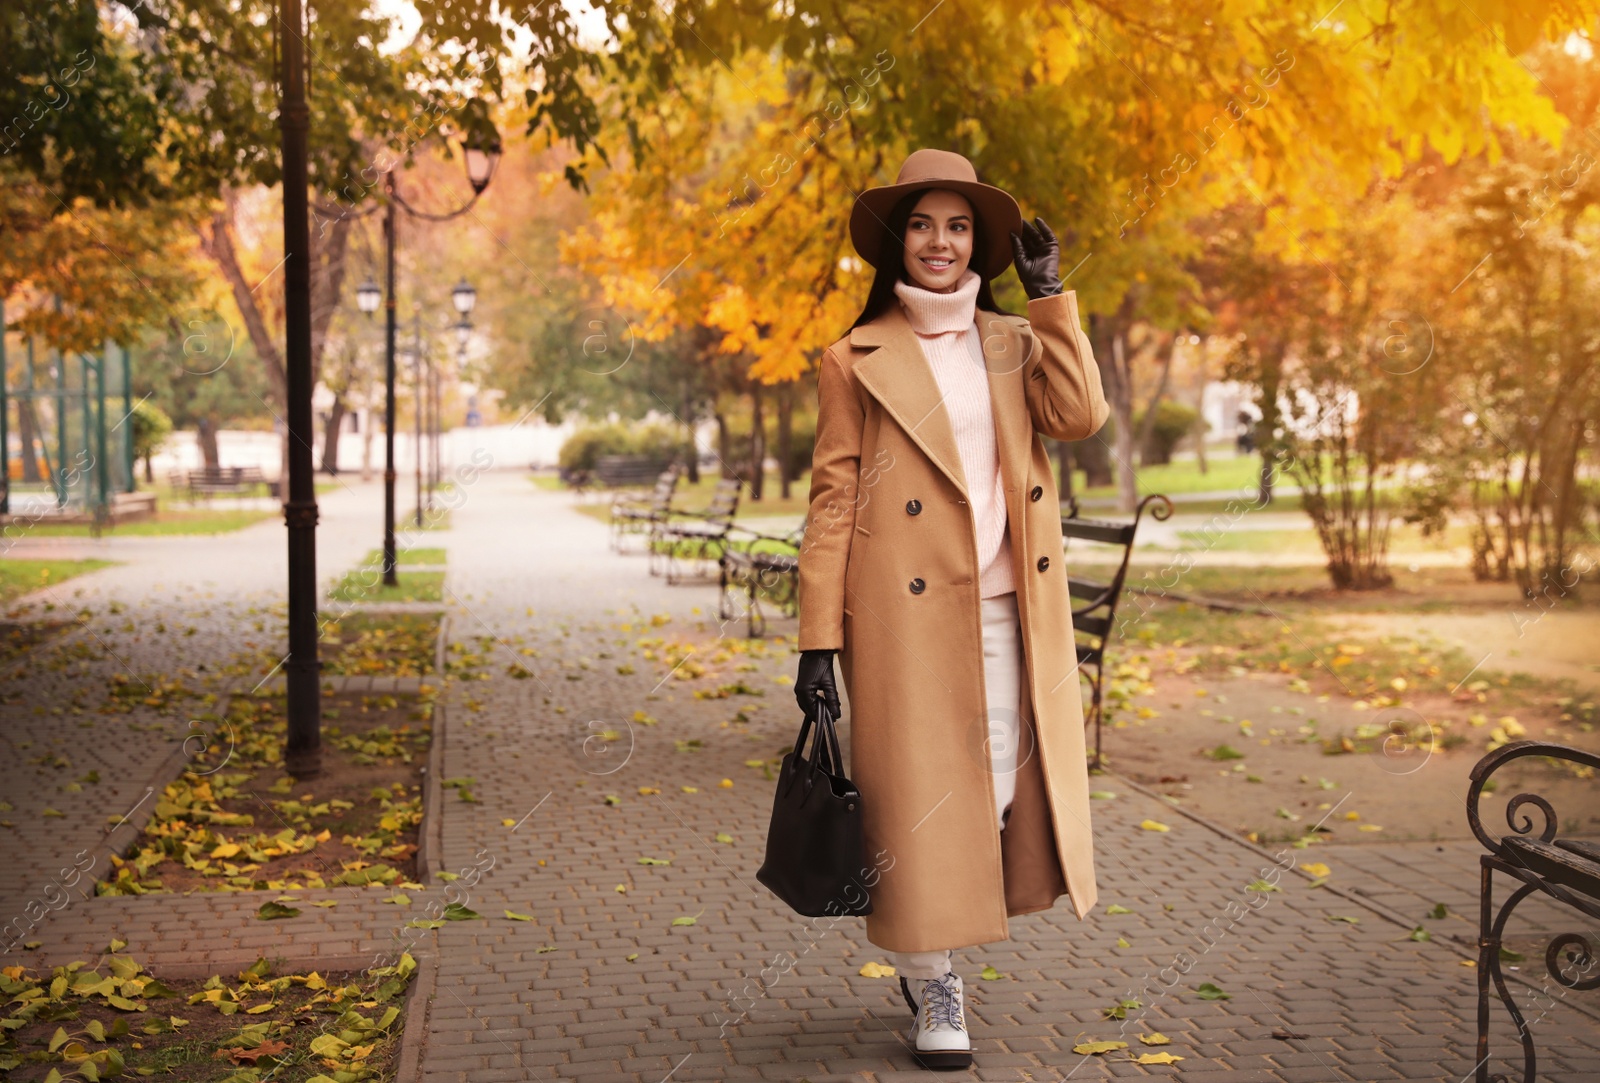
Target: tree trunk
x=1127, y=482
x=758, y=442
x=1064, y=463
x=206, y=438
x=217, y=242
x=785, y=449
x=1200, y=406
x=366, y=447
x=1266, y=429
x=1092, y=455
x=1148, y=427
x=693, y=464
x=330, y=437
x=149, y=472
x=28, y=429
x=724, y=445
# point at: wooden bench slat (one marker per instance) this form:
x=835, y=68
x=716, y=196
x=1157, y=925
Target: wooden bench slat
x=1097, y=530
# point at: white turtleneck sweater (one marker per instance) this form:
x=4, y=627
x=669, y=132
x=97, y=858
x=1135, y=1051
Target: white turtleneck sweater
x=946, y=326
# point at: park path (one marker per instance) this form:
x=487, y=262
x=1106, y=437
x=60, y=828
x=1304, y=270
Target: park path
x=603, y=985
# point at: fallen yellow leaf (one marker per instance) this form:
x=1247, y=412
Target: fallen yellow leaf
x=1153, y=825
x=1316, y=868
x=1154, y=1039
x=1157, y=1058
x=726, y=784
x=876, y=970
x=1098, y=1047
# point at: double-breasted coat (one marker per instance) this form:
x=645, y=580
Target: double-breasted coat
x=889, y=578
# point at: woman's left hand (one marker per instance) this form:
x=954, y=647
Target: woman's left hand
x=1038, y=258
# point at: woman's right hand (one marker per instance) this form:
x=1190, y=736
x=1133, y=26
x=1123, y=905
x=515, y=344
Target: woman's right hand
x=814, y=679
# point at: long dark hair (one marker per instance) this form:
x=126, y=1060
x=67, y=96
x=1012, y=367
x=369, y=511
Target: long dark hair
x=892, y=262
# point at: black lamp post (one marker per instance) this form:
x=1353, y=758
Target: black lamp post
x=303, y=747
x=482, y=153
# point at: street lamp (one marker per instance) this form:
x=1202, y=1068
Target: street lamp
x=369, y=295
x=465, y=297
x=482, y=157
x=482, y=151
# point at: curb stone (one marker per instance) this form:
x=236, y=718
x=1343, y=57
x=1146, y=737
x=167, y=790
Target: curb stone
x=419, y=1002
x=120, y=837
x=430, y=833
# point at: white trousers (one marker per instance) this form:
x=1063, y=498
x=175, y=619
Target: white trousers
x=1002, y=682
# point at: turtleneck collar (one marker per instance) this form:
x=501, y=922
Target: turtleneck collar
x=933, y=313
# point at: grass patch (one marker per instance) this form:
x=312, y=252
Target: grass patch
x=19, y=577
x=435, y=519
x=391, y=644
x=1303, y=647
x=110, y=1017
x=235, y=820
x=1403, y=540
x=366, y=585
x=374, y=557
x=164, y=523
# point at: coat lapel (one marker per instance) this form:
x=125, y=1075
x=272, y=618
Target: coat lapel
x=898, y=375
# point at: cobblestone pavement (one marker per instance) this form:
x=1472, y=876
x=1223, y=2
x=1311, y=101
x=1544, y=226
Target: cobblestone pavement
x=168, y=621
x=604, y=985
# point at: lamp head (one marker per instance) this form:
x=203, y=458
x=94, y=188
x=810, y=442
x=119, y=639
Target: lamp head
x=368, y=296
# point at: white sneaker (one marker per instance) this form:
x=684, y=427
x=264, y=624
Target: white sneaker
x=939, y=1032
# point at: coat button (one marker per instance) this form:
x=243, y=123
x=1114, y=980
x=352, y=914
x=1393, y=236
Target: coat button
x=917, y=586
x=913, y=506
x=1044, y=562
x=1038, y=491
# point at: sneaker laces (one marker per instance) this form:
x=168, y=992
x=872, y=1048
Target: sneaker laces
x=941, y=1004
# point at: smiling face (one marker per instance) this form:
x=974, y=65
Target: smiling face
x=938, y=240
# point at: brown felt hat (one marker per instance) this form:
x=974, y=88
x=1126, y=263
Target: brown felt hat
x=922, y=169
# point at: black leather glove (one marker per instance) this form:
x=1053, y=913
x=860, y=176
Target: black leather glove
x=815, y=678
x=1038, y=256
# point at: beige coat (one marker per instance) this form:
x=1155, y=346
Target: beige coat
x=888, y=576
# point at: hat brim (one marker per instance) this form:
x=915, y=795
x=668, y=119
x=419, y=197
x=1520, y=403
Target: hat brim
x=999, y=213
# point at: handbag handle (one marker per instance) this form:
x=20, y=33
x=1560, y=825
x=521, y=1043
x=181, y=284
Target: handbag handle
x=825, y=747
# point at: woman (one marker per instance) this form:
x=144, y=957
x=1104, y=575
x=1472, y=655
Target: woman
x=932, y=566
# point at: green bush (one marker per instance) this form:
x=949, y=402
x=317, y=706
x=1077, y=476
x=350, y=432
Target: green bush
x=1173, y=422
x=584, y=447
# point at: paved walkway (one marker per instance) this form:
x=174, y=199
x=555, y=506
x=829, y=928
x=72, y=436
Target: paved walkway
x=603, y=985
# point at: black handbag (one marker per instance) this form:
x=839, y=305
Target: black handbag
x=814, y=845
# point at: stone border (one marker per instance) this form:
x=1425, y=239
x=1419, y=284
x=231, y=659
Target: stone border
x=419, y=1005
x=430, y=833
x=1348, y=896
x=123, y=834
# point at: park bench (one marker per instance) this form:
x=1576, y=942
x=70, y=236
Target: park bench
x=208, y=481
x=578, y=480
x=766, y=575
x=1565, y=870
x=1093, y=621
x=694, y=537
x=620, y=471
x=633, y=512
